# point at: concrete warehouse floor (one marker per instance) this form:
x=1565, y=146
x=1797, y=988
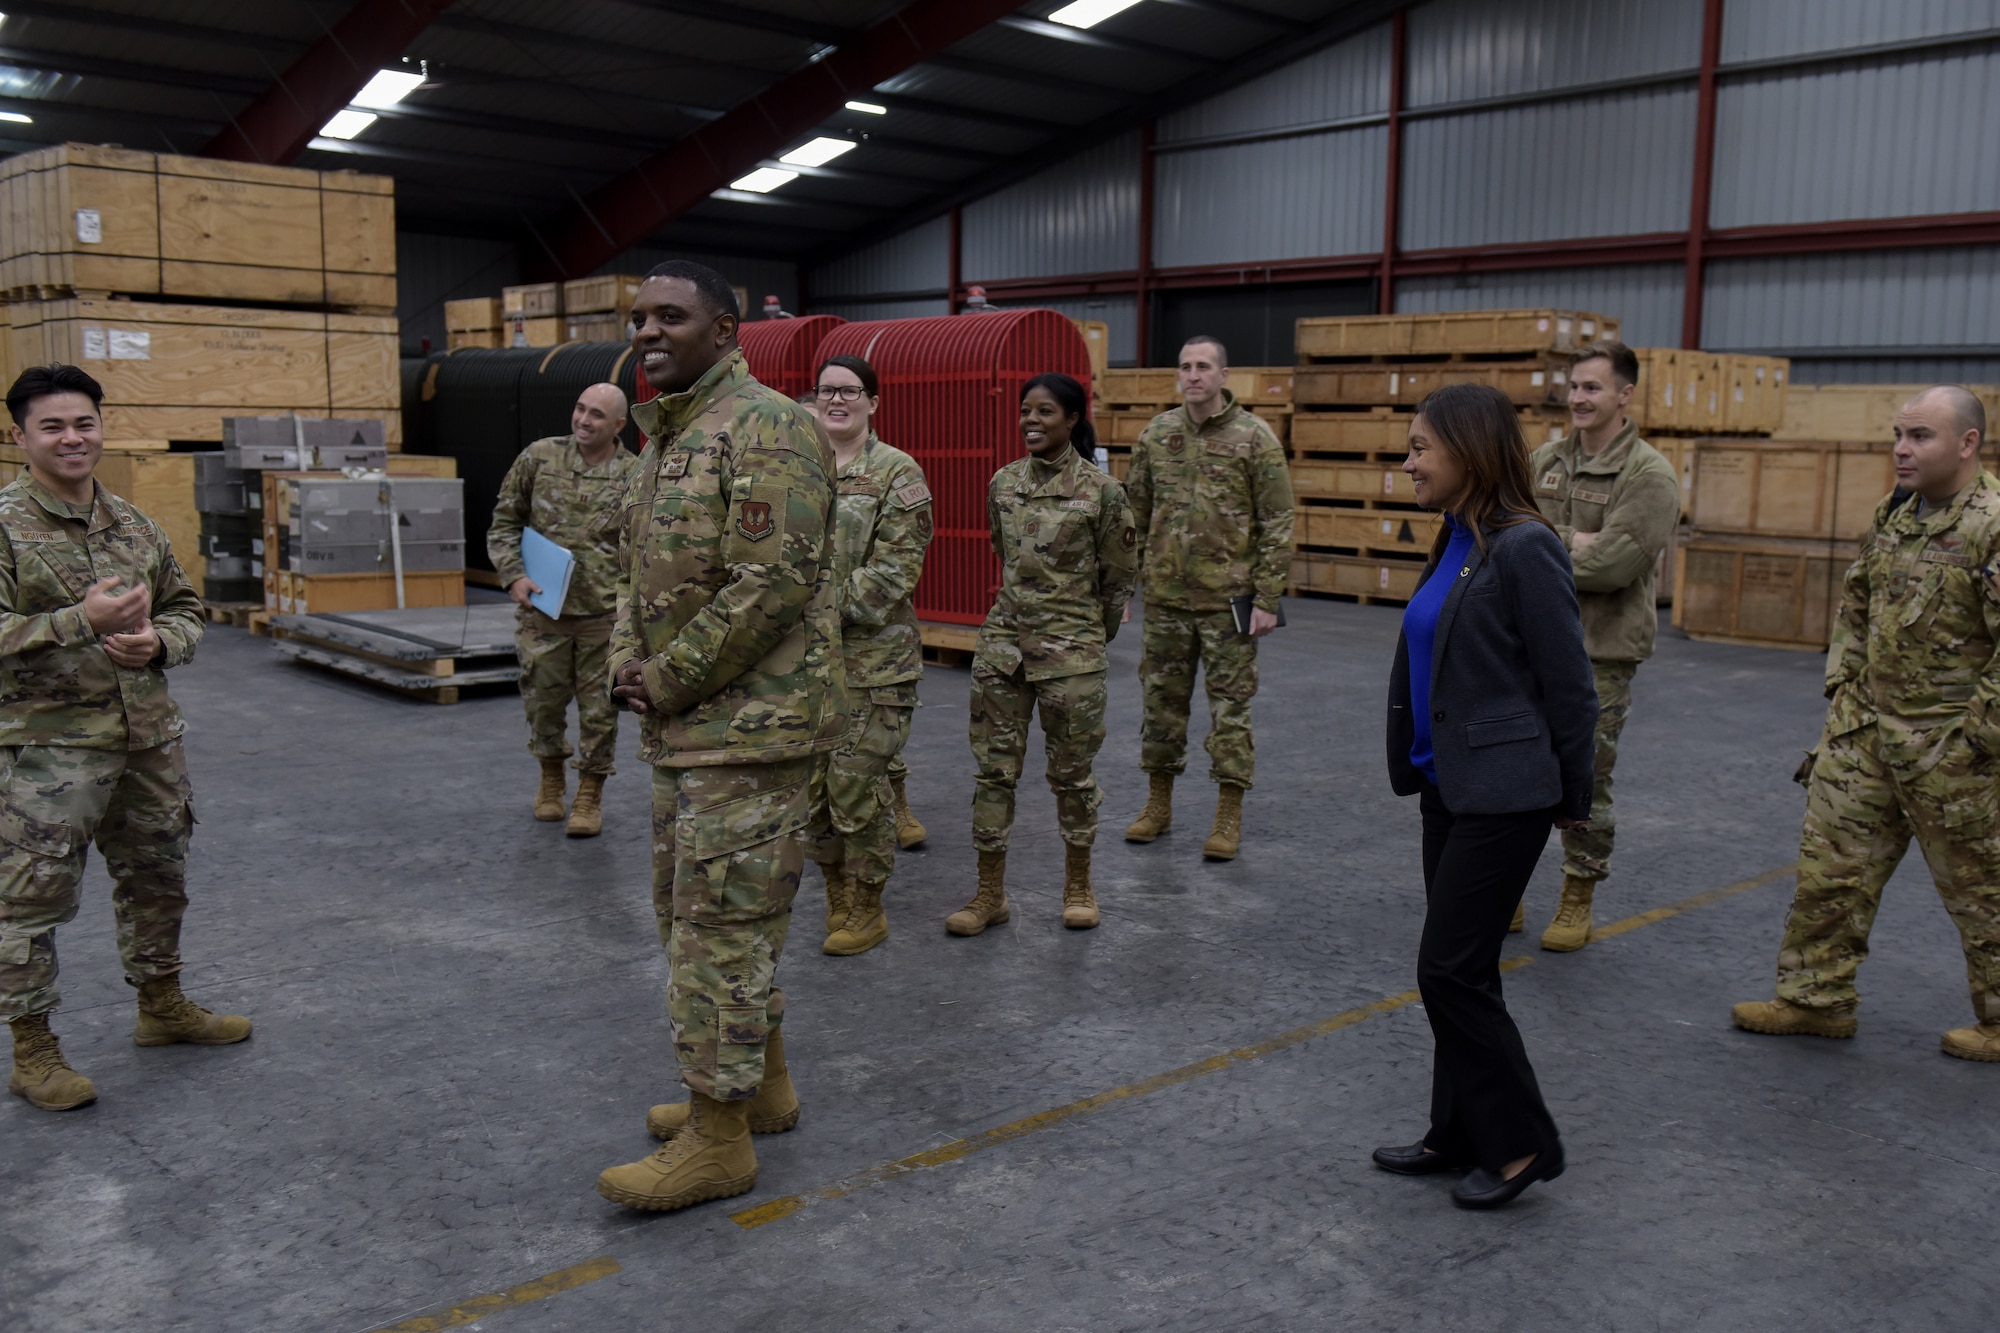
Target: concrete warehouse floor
x=460, y=1020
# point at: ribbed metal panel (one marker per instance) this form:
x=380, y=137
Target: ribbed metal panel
x=1771, y=29
x=1272, y=199
x=1465, y=50
x=1348, y=79
x=784, y=353
x=1644, y=298
x=431, y=270
x=1897, y=370
x=1119, y=313
x=1080, y=216
x=1919, y=299
x=914, y=261
x=1492, y=177
x=857, y=310
x=1915, y=135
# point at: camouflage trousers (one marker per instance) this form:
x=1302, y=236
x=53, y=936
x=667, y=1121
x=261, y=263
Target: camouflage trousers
x=563, y=660
x=1172, y=643
x=726, y=863
x=1587, y=851
x=54, y=799
x=1861, y=813
x=1072, y=709
x=854, y=816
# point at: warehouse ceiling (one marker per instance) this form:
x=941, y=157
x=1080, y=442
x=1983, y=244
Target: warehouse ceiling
x=532, y=113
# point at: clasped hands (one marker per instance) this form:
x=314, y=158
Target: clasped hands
x=630, y=686
x=122, y=622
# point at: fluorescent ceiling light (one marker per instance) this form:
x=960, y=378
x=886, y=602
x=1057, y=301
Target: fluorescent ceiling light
x=869, y=107
x=346, y=124
x=763, y=180
x=817, y=153
x=1090, y=13
x=387, y=88
x=15, y=117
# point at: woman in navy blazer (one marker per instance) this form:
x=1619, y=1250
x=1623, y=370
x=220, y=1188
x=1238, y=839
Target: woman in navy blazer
x=1491, y=712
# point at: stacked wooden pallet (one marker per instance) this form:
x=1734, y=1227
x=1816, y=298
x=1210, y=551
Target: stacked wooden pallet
x=1359, y=533
x=1858, y=412
x=1128, y=399
x=1690, y=393
x=426, y=654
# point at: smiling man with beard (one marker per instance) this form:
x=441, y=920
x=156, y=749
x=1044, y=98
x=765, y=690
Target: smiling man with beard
x=726, y=642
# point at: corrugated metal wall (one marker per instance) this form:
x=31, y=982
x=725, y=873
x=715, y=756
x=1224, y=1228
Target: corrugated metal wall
x=1121, y=313
x=1468, y=50
x=855, y=310
x=1080, y=216
x=1774, y=29
x=1604, y=166
x=1881, y=300
x=918, y=260
x=1273, y=199
x=1646, y=298
x=431, y=270
x=1348, y=79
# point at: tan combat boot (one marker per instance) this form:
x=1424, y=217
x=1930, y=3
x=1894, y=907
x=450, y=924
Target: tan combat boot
x=1782, y=1018
x=910, y=831
x=773, y=1110
x=1570, y=930
x=166, y=1016
x=1520, y=921
x=549, y=796
x=839, y=893
x=1979, y=1042
x=40, y=1072
x=1079, y=903
x=1227, y=835
x=586, y=817
x=710, y=1158
x=1158, y=816
x=865, y=925
x=989, y=906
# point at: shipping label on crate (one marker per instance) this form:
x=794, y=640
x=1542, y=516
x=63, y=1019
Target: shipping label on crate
x=89, y=226
x=130, y=344
x=93, y=344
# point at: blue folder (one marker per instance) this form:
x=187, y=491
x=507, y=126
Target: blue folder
x=550, y=566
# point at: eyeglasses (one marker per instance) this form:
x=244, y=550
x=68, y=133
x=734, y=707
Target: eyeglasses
x=846, y=393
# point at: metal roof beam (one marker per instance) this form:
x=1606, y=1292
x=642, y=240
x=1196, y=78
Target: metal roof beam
x=755, y=20
x=993, y=69
x=277, y=126
x=976, y=115
x=1242, y=14
x=625, y=211
x=193, y=32
x=1103, y=41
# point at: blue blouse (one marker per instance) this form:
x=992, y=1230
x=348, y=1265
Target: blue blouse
x=1420, y=620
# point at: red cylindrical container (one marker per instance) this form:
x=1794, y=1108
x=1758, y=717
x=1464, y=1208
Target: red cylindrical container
x=783, y=353
x=951, y=393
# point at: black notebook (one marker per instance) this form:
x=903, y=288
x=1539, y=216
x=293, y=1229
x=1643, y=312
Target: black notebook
x=1241, y=606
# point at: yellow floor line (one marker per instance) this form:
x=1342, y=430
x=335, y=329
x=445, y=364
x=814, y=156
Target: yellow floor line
x=493, y=1302
x=766, y=1213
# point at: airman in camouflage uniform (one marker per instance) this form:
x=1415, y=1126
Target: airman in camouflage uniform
x=1614, y=500
x=1912, y=738
x=570, y=489
x=94, y=610
x=727, y=641
x=883, y=528
x=1212, y=496
x=1063, y=532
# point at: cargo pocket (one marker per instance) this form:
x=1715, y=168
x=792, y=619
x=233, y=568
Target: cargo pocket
x=34, y=862
x=740, y=845
x=996, y=660
x=1500, y=730
x=1972, y=810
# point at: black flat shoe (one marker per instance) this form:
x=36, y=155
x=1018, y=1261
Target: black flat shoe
x=1485, y=1189
x=1415, y=1160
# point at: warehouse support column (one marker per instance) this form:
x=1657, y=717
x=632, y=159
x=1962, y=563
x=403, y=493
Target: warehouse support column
x=1392, y=194
x=1704, y=173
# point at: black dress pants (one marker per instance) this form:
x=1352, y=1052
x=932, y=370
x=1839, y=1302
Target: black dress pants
x=1486, y=1107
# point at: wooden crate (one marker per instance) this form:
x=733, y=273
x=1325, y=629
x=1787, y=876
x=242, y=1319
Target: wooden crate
x=1097, y=339
x=101, y=220
x=608, y=292
x=1859, y=412
x=457, y=340
x=1378, y=531
x=1350, y=479
x=537, y=300
x=1392, y=581
x=421, y=465
x=1466, y=332
x=172, y=371
x=1823, y=489
x=1759, y=590
x=1540, y=382
x=1679, y=451
x=1709, y=392
x=306, y=594
x=603, y=327
x=1143, y=385
x=472, y=314
x=534, y=331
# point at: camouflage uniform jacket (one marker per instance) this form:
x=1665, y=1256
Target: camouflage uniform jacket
x=1068, y=562
x=57, y=684
x=1631, y=496
x=1213, y=503
x=575, y=505
x=883, y=528
x=1914, y=644
x=725, y=590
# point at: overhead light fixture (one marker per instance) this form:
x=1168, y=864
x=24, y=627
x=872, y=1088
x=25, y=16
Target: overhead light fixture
x=817, y=153
x=763, y=180
x=869, y=107
x=15, y=117
x=346, y=124
x=1089, y=13
x=388, y=87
